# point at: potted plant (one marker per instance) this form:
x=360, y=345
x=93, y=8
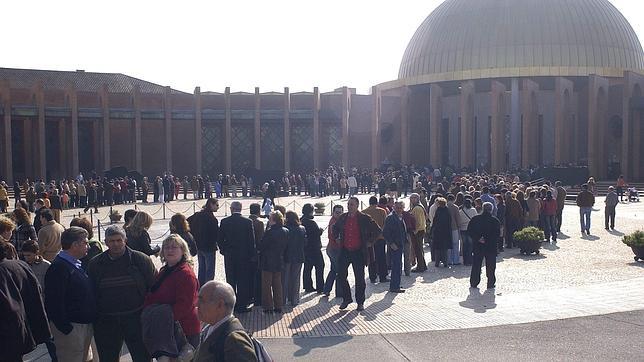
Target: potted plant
x=319, y=208
x=115, y=216
x=636, y=242
x=529, y=240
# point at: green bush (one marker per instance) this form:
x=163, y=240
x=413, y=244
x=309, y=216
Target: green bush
x=530, y=233
x=634, y=239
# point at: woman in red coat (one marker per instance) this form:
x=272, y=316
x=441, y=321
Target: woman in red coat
x=177, y=286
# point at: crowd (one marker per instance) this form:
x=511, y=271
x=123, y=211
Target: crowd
x=82, y=297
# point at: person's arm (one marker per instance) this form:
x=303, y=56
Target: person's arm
x=56, y=280
x=185, y=293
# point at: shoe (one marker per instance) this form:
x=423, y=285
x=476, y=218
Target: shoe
x=360, y=307
x=606, y=228
x=474, y=286
x=401, y=290
x=344, y=305
x=319, y=292
x=309, y=290
x=373, y=281
x=326, y=294
x=588, y=232
x=417, y=270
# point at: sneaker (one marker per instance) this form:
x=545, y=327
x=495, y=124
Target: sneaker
x=360, y=307
x=401, y=290
x=344, y=305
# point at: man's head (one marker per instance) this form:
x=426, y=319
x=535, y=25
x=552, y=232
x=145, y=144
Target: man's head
x=450, y=198
x=307, y=210
x=399, y=207
x=212, y=205
x=373, y=201
x=74, y=241
x=39, y=204
x=216, y=301
x=337, y=210
x=255, y=209
x=488, y=207
x=383, y=201
x=115, y=240
x=414, y=199
x=46, y=215
x=235, y=207
x=352, y=205
x=611, y=188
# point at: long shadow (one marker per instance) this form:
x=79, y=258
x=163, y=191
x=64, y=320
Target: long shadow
x=590, y=237
x=322, y=308
x=478, y=302
x=528, y=258
x=434, y=273
x=548, y=246
x=372, y=311
x=616, y=233
x=562, y=236
x=637, y=264
x=339, y=323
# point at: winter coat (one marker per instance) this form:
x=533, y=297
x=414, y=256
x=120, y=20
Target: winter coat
x=442, y=229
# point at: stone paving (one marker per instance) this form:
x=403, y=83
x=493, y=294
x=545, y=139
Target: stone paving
x=578, y=276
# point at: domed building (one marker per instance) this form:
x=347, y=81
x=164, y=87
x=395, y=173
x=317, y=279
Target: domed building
x=486, y=84
x=499, y=84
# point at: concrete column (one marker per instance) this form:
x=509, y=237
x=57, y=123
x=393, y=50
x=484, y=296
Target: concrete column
x=228, y=132
x=435, y=125
x=404, y=125
x=105, y=105
x=41, y=143
x=466, y=138
x=637, y=146
x=73, y=130
x=627, y=115
x=563, y=134
x=136, y=127
x=375, y=127
x=346, y=105
x=316, y=128
x=515, y=125
x=198, y=133
x=96, y=146
x=287, y=130
x=258, y=129
x=28, y=148
x=167, y=103
x=5, y=96
x=530, y=130
x=597, y=126
x=497, y=127
x=62, y=148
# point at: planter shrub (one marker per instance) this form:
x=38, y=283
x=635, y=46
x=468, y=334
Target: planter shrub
x=529, y=239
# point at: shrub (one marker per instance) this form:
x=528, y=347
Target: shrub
x=634, y=239
x=530, y=233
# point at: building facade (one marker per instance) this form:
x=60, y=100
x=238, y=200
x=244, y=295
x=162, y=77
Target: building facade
x=489, y=85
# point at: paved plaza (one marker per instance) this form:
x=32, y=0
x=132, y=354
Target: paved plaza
x=578, y=277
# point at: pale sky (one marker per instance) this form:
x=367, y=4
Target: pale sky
x=214, y=44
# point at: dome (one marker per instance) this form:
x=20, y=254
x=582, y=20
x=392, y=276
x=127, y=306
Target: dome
x=474, y=39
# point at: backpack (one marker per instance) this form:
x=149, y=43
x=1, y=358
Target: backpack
x=260, y=351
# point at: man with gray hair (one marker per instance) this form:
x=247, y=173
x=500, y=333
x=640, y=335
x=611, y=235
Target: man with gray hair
x=223, y=338
x=484, y=230
x=237, y=245
x=121, y=278
x=611, y=202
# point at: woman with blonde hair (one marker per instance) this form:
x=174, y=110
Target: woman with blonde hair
x=24, y=228
x=179, y=225
x=137, y=234
x=176, y=285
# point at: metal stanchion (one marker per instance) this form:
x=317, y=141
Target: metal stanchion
x=91, y=216
x=164, y=211
x=111, y=222
x=99, y=230
x=194, y=208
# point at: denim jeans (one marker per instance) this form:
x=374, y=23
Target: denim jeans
x=333, y=272
x=467, y=247
x=550, y=227
x=584, y=218
x=454, y=253
x=206, y=266
x=396, y=268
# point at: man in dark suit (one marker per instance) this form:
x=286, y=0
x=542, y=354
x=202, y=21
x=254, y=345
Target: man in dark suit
x=484, y=230
x=237, y=244
x=205, y=229
x=395, y=234
x=223, y=338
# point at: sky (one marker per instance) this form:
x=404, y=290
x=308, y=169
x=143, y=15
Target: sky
x=214, y=44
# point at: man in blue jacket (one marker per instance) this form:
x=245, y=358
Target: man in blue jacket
x=395, y=234
x=69, y=298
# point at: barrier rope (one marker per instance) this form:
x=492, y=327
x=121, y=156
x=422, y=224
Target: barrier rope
x=162, y=236
x=169, y=209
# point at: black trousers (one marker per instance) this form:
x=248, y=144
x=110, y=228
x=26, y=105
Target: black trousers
x=378, y=268
x=111, y=331
x=238, y=276
x=559, y=218
x=490, y=267
x=312, y=261
x=357, y=260
x=609, y=217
